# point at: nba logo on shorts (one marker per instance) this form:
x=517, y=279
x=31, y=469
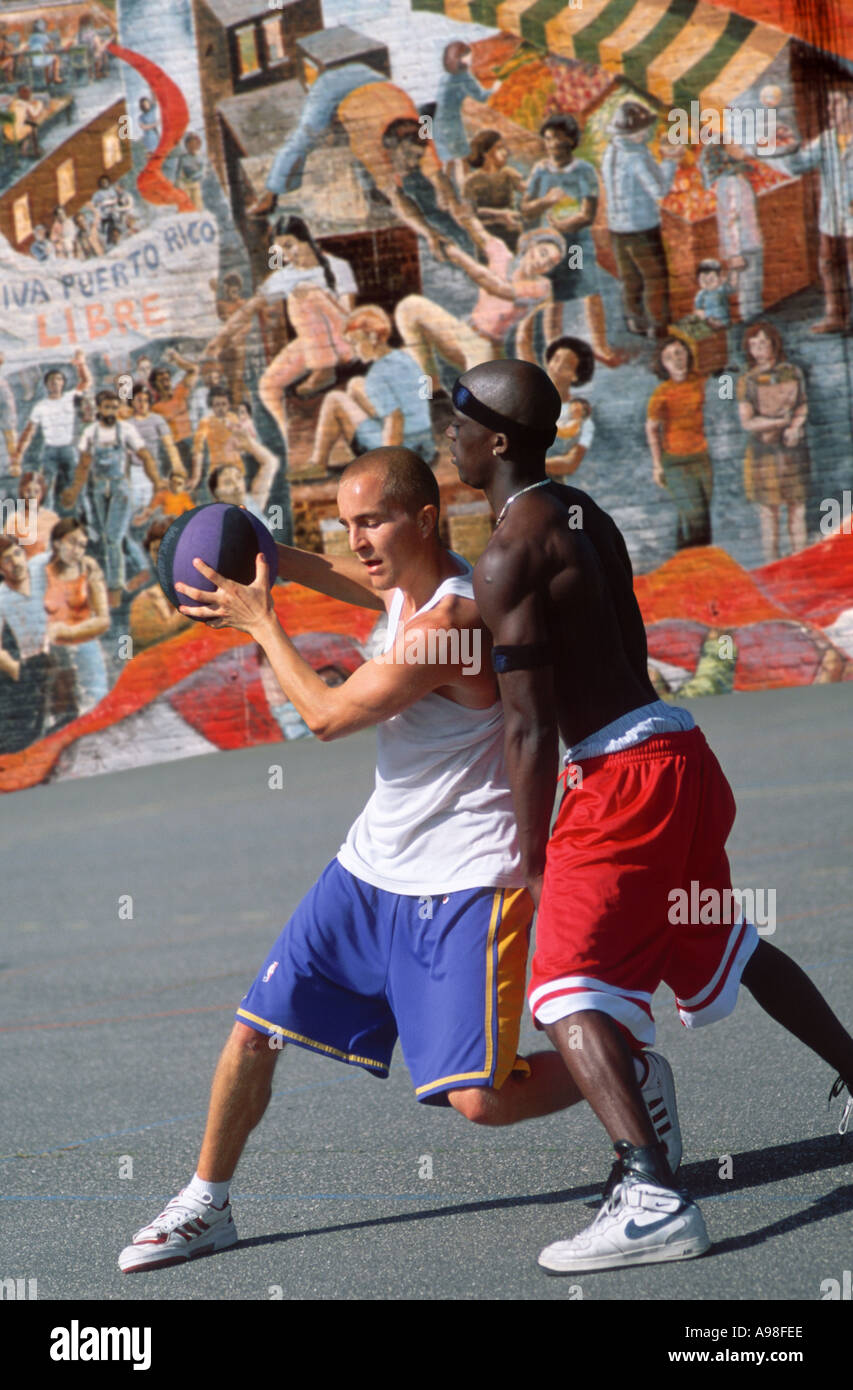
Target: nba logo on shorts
x=270, y=972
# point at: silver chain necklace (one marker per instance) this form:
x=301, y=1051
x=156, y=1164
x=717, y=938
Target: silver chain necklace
x=509, y=501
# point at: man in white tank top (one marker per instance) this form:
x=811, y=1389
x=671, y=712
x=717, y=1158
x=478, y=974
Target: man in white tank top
x=419, y=928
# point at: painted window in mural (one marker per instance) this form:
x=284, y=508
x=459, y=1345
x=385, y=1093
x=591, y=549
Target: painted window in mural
x=245, y=244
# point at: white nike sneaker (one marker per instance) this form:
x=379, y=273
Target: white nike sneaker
x=187, y=1229
x=659, y=1094
x=639, y=1223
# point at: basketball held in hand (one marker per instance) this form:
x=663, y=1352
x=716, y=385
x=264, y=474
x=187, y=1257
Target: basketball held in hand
x=227, y=538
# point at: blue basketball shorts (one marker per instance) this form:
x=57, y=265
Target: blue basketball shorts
x=356, y=967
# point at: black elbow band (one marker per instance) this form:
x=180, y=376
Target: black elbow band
x=525, y=658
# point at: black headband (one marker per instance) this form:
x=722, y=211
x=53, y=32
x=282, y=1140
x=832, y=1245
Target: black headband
x=467, y=404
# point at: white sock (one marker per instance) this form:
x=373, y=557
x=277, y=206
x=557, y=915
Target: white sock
x=218, y=1190
x=641, y=1069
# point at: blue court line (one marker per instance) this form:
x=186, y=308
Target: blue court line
x=159, y=1124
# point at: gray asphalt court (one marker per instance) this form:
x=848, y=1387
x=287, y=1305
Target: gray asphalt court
x=136, y=910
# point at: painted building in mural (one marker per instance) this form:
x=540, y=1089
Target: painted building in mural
x=244, y=243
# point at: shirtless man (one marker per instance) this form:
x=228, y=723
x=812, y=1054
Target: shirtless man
x=646, y=809
x=435, y=845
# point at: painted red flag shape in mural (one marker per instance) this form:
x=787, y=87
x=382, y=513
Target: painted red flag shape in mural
x=152, y=182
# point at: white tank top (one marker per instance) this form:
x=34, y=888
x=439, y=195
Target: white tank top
x=441, y=817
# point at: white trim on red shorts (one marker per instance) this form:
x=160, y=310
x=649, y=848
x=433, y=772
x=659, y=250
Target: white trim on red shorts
x=717, y=1000
x=574, y=993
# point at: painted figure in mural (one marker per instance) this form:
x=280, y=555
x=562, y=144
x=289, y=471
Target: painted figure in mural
x=456, y=83
x=95, y=45
x=563, y=193
x=232, y=354
x=104, y=464
x=773, y=408
x=319, y=291
x=32, y=491
x=172, y=402
x=56, y=418
x=384, y=130
x=105, y=203
x=149, y=124
x=229, y=484
x=41, y=247
x=157, y=437
x=434, y=849
x=47, y=66
x=741, y=245
x=76, y=604
x=63, y=234
x=386, y=406
x=660, y=807
x=190, y=169
x=675, y=430
x=570, y=362
x=832, y=154
x=168, y=503
x=152, y=617
x=26, y=680
x=494, y=188
x=26, y=111
x=635, y=184
x=512, y=290
x=214, y=437
x=87, y=240
x=423, y=195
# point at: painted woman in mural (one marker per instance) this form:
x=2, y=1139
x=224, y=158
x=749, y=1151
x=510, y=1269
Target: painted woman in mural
x=319, y=292
x=78, y=614
x=675, y=430
x=149, y=124
x=494, y=188
x=570, y=362
x=773, y=408
x=513, y=289
x=26, y=680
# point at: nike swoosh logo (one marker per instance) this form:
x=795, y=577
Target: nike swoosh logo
x=635, y=1232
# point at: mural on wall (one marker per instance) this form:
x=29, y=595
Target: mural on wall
x=242, y=249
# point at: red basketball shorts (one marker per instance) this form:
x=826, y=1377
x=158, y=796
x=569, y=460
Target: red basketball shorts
x=639, y=826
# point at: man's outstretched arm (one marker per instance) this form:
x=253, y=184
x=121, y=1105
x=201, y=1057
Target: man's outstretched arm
x=514, y=611
x=338, y=576
x=376, y=691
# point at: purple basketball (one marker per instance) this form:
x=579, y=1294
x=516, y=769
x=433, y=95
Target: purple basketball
x=227, y=538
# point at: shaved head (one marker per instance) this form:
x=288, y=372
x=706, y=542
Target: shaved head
x=520, y=392
x=408, y=484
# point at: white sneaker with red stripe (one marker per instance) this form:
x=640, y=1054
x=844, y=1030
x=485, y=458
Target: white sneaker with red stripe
x=658, y=1090
x=188, y=1228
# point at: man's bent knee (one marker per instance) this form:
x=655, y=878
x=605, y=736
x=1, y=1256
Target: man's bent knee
x=479, y=1104
x=250, y=1041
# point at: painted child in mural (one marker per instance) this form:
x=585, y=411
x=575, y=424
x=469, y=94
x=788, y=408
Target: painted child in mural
x=570, y=362
x=494, y=188
x=76, y=603
x=26, y=680
x=635, y=184
x=386, y=406
x=773, y=408
x=168, y=503
x=456, y=83
x=56, y=418
x=741, y=245
x=563, y=193
x=512, y=291
x=675, y=430
x=319, y=291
